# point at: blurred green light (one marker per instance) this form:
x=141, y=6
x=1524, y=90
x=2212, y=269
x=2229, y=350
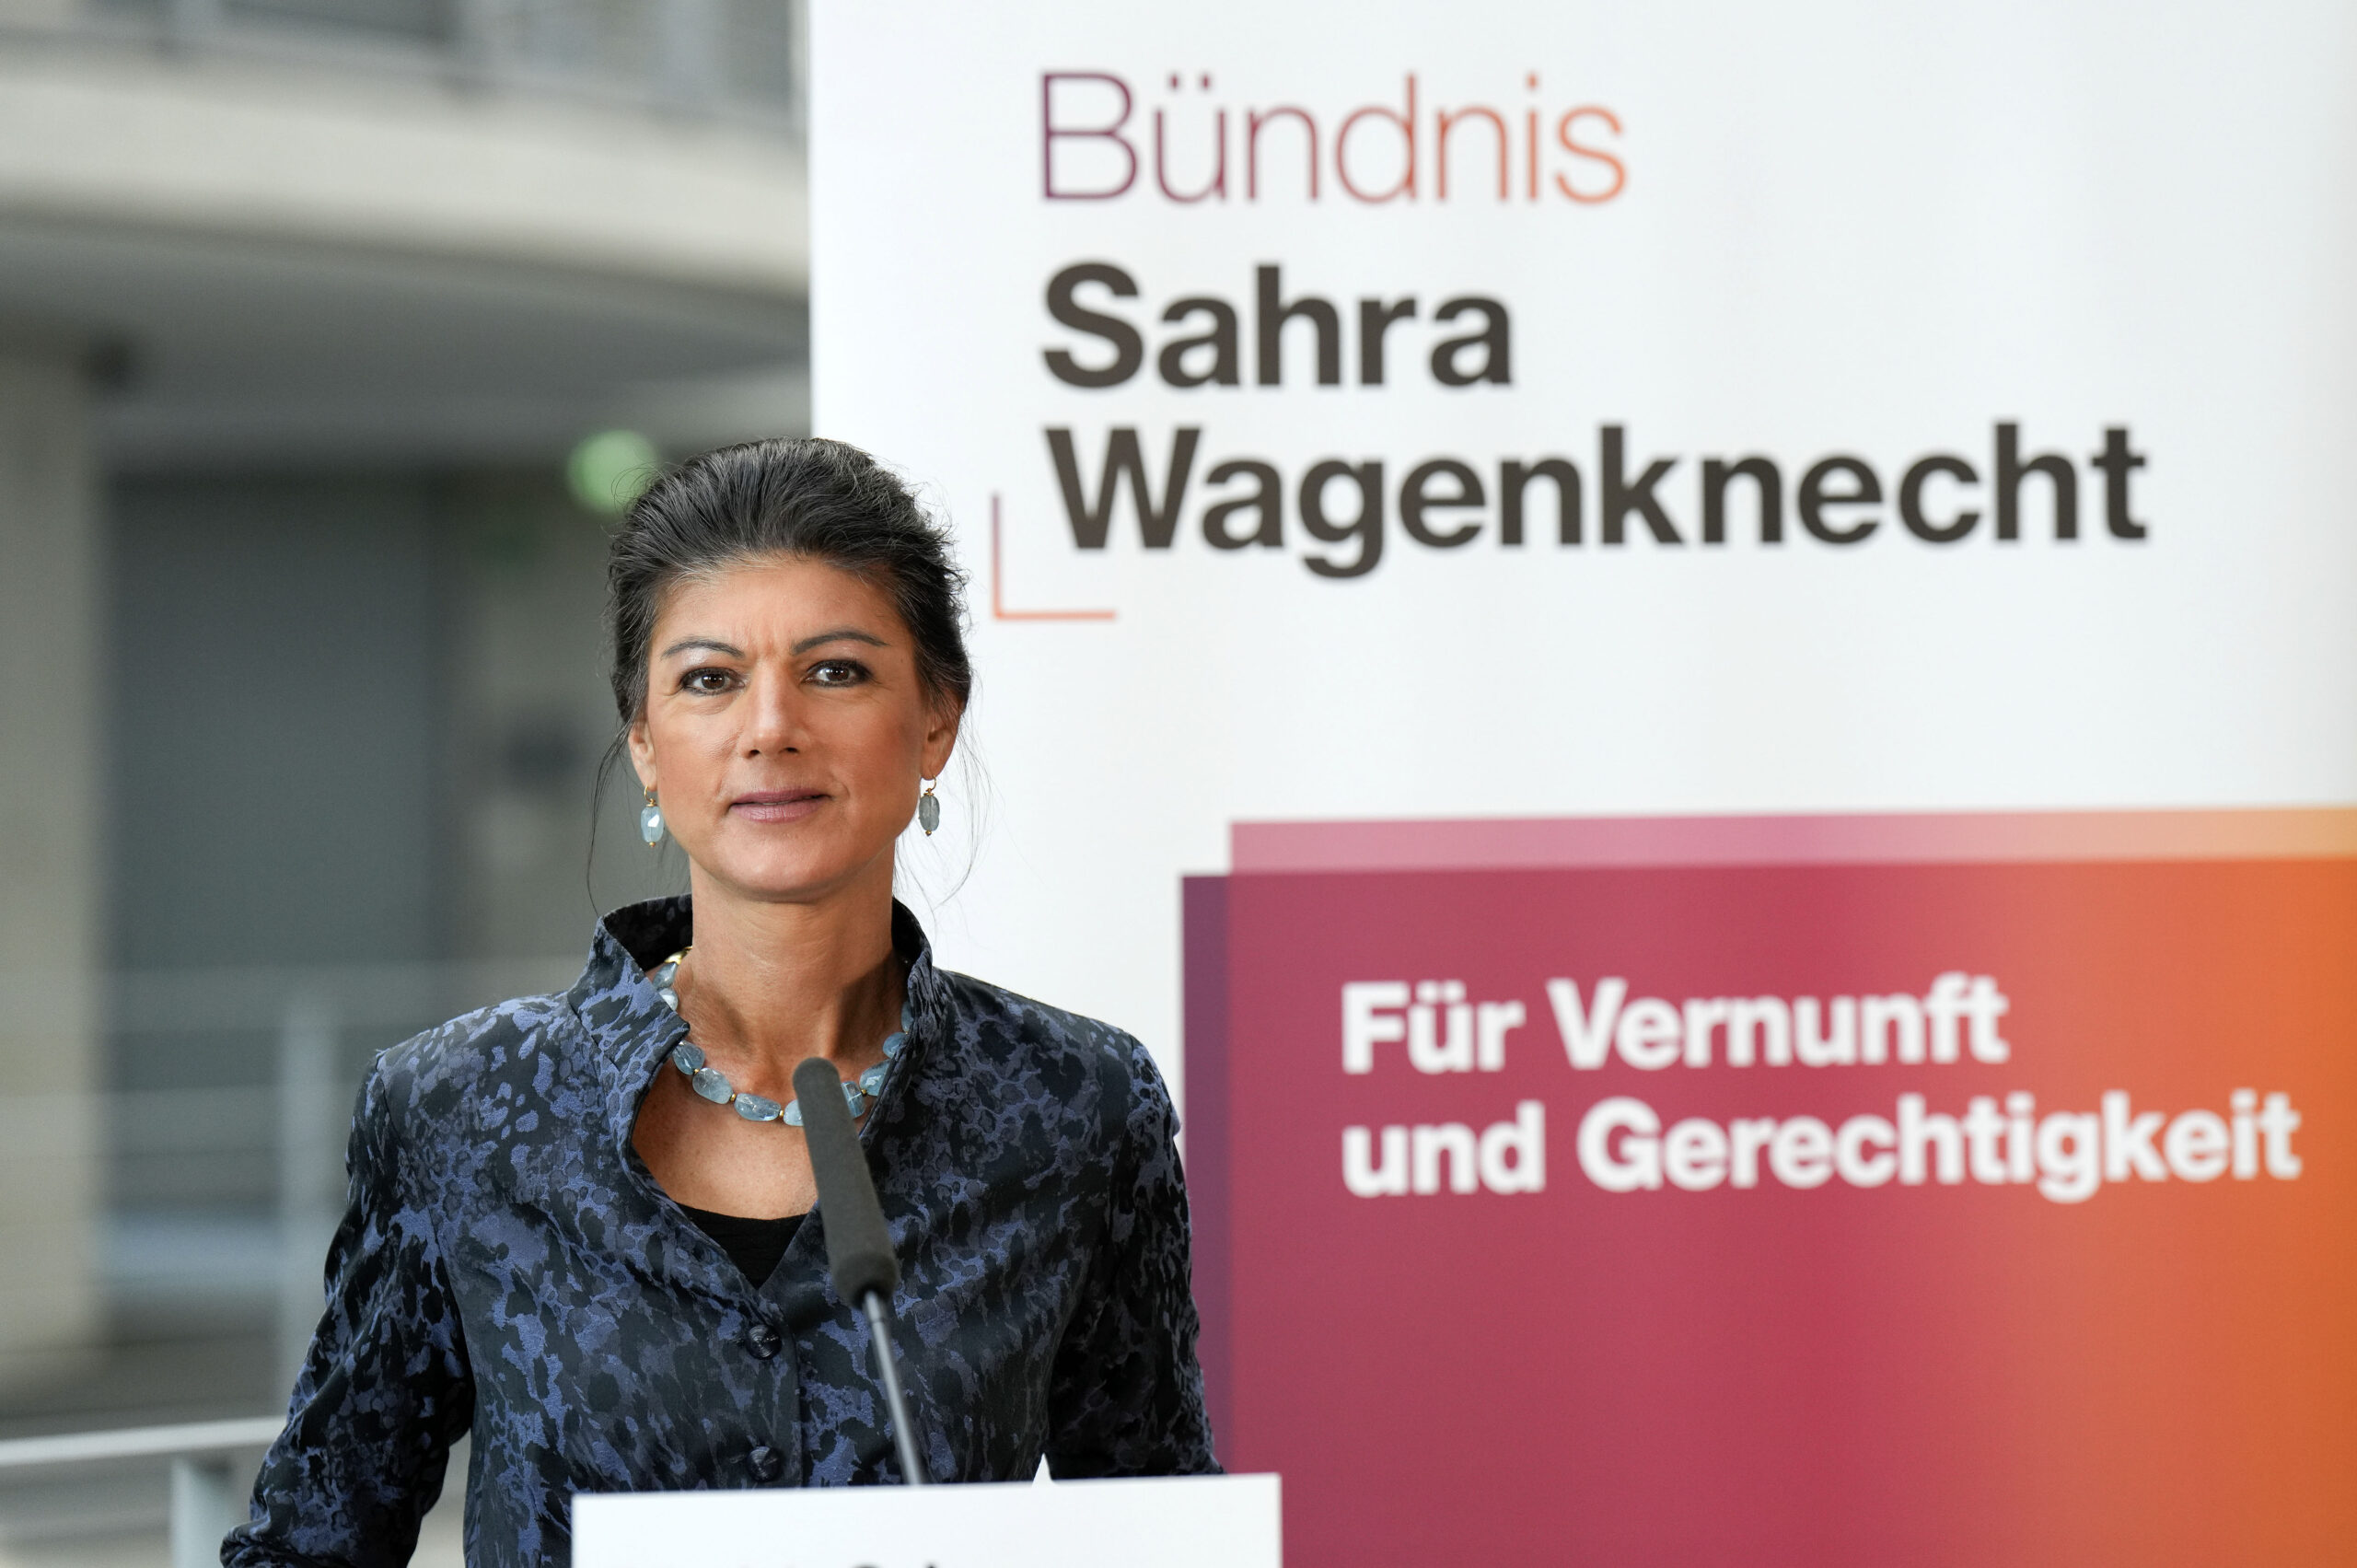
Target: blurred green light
x=608, y=471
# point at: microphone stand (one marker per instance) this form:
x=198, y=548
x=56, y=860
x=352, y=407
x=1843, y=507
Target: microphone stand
x=904, y=1430
x=859, y=1247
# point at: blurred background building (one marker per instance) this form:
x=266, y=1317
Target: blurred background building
x=329, y=333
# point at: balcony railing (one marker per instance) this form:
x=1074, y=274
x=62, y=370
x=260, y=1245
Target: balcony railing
x=208, y=1479
x=732, y=59
x=214, y=1199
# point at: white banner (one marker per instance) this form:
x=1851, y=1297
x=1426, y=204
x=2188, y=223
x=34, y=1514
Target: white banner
x=1581, y=409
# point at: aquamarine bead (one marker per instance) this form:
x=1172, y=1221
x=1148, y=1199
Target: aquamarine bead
x=710, y=1084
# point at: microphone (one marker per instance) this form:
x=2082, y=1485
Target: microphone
x=859, y=1247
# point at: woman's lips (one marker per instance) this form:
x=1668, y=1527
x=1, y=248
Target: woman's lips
x=777, y=804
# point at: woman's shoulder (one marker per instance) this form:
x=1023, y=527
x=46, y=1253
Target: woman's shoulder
x=516, y=1043
x=1017, y=1018
x=1067, y=1052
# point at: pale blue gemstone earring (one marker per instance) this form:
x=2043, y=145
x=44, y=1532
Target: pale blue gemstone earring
x=928, y=812
x=650, y=821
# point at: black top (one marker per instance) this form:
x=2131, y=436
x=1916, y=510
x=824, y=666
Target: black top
x=754, y=1246
x=509, y=1268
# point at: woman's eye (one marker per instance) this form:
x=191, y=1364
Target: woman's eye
x=705, y=681
x=839, y=672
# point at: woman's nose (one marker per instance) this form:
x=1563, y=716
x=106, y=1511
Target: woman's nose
x=773, y=723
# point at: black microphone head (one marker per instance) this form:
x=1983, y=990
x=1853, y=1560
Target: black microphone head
x=859, y=1247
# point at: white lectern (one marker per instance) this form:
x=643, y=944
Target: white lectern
x=1183, y=1522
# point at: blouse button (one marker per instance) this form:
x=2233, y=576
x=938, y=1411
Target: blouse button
x=767, y=1463
x=764, y=1341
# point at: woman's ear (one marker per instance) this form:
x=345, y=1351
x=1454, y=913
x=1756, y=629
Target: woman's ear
x=941, y=736
x=641, y=751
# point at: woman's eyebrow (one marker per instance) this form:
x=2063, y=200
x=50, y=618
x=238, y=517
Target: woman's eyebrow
x=840, y=635
x=712, y=645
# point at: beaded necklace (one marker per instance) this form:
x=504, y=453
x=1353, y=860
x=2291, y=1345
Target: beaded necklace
x=709, y=1082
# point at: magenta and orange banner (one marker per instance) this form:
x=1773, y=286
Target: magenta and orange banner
x=1824, y=1190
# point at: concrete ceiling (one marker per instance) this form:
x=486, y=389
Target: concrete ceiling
x=274, y=268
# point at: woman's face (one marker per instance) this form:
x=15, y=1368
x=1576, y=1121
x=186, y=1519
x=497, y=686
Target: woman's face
x=786, y=729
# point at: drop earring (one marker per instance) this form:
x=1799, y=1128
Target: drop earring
x=928, y=812
x=650, y=821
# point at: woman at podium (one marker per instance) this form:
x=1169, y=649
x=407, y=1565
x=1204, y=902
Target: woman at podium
x=580, y=1226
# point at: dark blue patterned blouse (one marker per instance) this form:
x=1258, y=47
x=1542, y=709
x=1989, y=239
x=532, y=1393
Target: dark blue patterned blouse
x=509, y=1268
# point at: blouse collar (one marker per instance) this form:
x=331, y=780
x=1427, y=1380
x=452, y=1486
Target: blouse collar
x=634, y=1030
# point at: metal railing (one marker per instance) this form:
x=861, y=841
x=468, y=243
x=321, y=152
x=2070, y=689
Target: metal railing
x=737, y=59
x=205, y=1497
x=218, y=1198
x=277, y=1147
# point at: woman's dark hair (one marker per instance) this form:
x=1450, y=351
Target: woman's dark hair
x=817, y=499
